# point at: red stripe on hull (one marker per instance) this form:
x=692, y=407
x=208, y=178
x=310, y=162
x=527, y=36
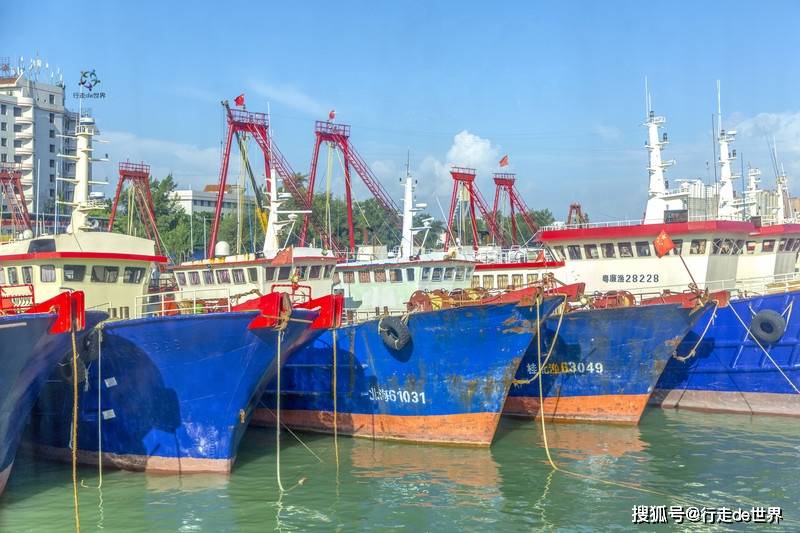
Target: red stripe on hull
x=4, y=478
x=84, y=255
x=761, y=403
x=618, y=409
x=142, y=463
x=469, y=429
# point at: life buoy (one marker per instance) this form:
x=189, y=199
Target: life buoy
x=768, y=326
x=394, y=332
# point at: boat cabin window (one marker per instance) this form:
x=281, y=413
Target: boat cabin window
x=488, y=282
x=625, y=249
x=591, y=251
x=208, y=277
x=469, y=271
x=302, y=272
x=476, y=282
x=284, y=273
x=796, y=245
x=2, y=276
x=437, y=274
x=785, y=247
x=409, y=274
x=502, y=281
x=608, y=250
x=516, y=281
x=326, y=274
x=349, y=276
x=74, y=272
x=426, y=273
x=768, y=245
x=181, y=278
x=559, y=250
x=380, y=276
x=642, y=248
x=252, y=274
x=574, y=251
x=223, y=276
x=751, y=247
x=105, y=274
x=13, y=278
x=27, y=274
x=678, y=250
x=41, y=245
x=269, y=273
x=363, y=276
x=194, y=278
x=238, y=276
x=697, y=247
x=781, y=245
x=449, y=272
x=460, y=271
x=395, y=275
x=133, y=274
x=739, y=247
x=315, y=271
x=532, y=278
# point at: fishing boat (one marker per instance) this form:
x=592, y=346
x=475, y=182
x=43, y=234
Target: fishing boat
x=166, y=385
x=34, y=337
x=394, y=372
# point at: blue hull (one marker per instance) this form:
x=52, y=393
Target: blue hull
x=604, y=365
x=729, y=372
x=175, y=393
x=28, y=354
x=447, y=385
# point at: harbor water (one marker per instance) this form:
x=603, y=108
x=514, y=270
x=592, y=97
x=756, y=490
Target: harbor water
x=674, y=457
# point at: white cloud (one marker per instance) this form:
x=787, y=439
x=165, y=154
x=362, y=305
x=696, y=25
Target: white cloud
x=784, y=127
x=190, y=165
x=291, y=97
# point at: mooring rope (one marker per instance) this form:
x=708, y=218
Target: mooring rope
x=335, y=405
x=552, y=344
x=693, y=351
x=74, y=439
x=278, y=416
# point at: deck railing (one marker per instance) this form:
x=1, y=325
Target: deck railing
x=186, y=302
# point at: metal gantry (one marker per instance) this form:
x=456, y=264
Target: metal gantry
x=13, y=196
x=504, y=187
x=464, y=179
x=138, y=176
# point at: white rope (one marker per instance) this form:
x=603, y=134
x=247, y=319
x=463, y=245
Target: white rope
x=789, y=381
x=693, y=351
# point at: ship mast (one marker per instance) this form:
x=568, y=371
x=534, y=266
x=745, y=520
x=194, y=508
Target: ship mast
x=656, y=204
x=725, y=206
x=409, y=209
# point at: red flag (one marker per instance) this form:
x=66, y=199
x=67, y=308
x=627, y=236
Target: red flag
x=239, y=100
x=663, y=244
x=332, y=114
x=504, y=161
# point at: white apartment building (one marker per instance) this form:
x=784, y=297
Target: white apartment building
x=205, y=201
x=33, y=119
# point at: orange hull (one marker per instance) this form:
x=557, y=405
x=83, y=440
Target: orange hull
x=621, y=409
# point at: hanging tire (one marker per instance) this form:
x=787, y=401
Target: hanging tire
x=768, y=326
x=394, y=332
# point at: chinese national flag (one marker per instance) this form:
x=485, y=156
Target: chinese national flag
x=332, y=114
x=239, y=100
x=504, y=161
x=663, y=244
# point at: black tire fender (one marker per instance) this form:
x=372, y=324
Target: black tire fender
x=768, y=326
x=394, y=332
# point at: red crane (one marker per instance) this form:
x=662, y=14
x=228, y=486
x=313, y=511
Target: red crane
x=14, y=197
x=257, y=125
x=576, y=216
x=138, y=174
x=504, y=186
x=465, y=178
x=339, y=136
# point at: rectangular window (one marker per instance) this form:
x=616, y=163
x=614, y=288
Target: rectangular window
x=27, y=275
x=52, y=163
x=74, y=272
x=625, y=249
x=315, y=271
x=502, y=281
x=284, y=273
x=2, y=276
x=437, y=274
x=426, y=273
x=17, y=111
x=697, y=247
x=3, y=109
x=380, y=276
x=751, y=247
x=105, y=274
x=488, y=282
x=796, y=245
x=533, y=278
x=194, y=278
x=208, y=277
x=363, y=276
x=591, y=251
x=643, y=248
x=3, y=142
x=181, y=278
x=52, y=118
x=51, y=99
x=768, y=246
x=52, y=148
x=782, y=245
x=678, y=247
x=13, y=278
x=302, y=272
x=476, y=282
x=608, y=250
x=252, y=274
x=449, y=272
x=574, y=252
x=516, y=281
x=739, y=249
x=460, y=273
x=238, y=275
x=269, y=273
x=559, y=250
x=409, y=274
x=716, y=246
x=396, y=275
x=349, y=276
x=786, y=245
x=223, y=276
x=52, y=134
x=133, y=274
x=326, y=274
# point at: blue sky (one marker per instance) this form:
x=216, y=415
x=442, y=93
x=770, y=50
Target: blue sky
x=556, y=85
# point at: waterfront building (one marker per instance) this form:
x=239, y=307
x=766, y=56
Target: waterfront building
x=205, y=201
